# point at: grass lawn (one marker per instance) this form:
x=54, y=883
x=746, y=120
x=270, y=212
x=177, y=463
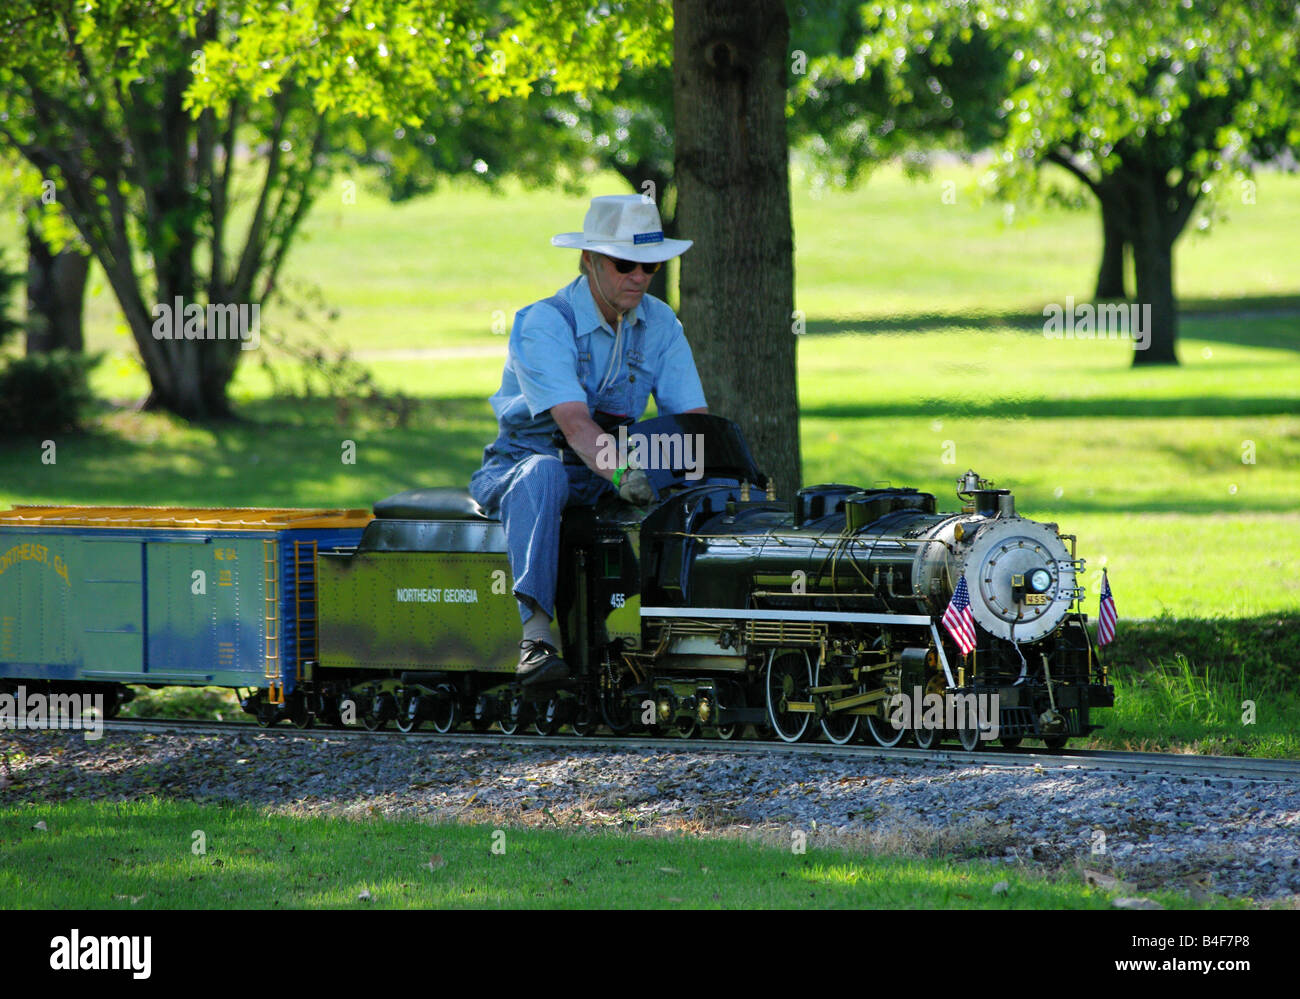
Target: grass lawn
x=143, y=855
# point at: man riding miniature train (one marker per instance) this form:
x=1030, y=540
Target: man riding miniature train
x=579, y=364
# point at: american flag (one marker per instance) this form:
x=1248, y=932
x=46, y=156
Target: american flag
x=1106, y=617
x=958, y=618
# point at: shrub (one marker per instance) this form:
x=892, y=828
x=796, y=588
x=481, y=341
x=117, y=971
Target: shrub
x=9, y=282
x=45, y=393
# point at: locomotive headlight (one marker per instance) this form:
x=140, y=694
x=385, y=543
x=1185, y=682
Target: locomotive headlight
x=1039, y=581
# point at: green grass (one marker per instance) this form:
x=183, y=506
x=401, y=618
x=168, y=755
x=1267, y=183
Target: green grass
x=1175, y=707
x=142, y=855
x=1219, y=686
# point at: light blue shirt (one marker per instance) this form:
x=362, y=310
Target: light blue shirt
x=548, y=363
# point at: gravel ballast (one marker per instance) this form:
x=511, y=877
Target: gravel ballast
x=1233, y=837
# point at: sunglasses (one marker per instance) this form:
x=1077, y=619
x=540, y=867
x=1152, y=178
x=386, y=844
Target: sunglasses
x=628, y=266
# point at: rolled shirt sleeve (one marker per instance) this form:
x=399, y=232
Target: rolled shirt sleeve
x=544, y=357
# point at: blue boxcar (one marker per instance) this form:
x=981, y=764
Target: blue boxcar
x=147, y=595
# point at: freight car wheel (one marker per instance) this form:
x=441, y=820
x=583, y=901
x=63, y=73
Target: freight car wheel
x=547, y=721
x=512, y=715
x=789, y=678
x=587, y=718
x=403, y=721
x=484, y=712
x=447, y=714
x=300, y=713
x=379, y=709
x=268, y=714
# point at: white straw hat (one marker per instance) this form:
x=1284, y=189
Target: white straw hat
x=626, y=226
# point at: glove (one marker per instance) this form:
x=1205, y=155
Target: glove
x=634, y=487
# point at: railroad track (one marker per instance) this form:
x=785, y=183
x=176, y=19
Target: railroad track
x=1170, y=764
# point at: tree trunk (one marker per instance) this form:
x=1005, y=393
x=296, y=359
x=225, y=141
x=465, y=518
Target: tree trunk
x=733, y=199
x=659, y=283
x=1110, y=276
x=1154, y=263
x=1153, y=238
x=56, y=294
x=199, y=372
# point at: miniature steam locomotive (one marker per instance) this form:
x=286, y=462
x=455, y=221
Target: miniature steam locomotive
x=714, y=609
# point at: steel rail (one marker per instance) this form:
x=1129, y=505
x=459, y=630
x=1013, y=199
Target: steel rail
x=1167, y=764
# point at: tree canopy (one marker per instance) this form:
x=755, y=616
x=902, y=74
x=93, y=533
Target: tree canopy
x=152, y=118
x=1153, y=107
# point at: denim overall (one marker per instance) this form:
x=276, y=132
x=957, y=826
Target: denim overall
x=529, y=475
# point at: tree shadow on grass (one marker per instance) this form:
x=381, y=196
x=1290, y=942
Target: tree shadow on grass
x=1205, y=316
x=1104, y=407
x=280, y=453
x=294, y=454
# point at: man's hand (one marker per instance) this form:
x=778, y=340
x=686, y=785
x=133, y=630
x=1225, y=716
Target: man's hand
x=634, y=487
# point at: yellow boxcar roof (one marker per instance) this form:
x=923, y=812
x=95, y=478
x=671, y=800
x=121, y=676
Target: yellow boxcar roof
x=183, y=518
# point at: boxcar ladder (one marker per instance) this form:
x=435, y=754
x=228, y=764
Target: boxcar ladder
x=274, y=682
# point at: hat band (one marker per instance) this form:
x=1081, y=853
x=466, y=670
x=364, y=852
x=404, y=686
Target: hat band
x=648, y=237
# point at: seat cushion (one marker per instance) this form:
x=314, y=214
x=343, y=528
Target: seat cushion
x=430, y=504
